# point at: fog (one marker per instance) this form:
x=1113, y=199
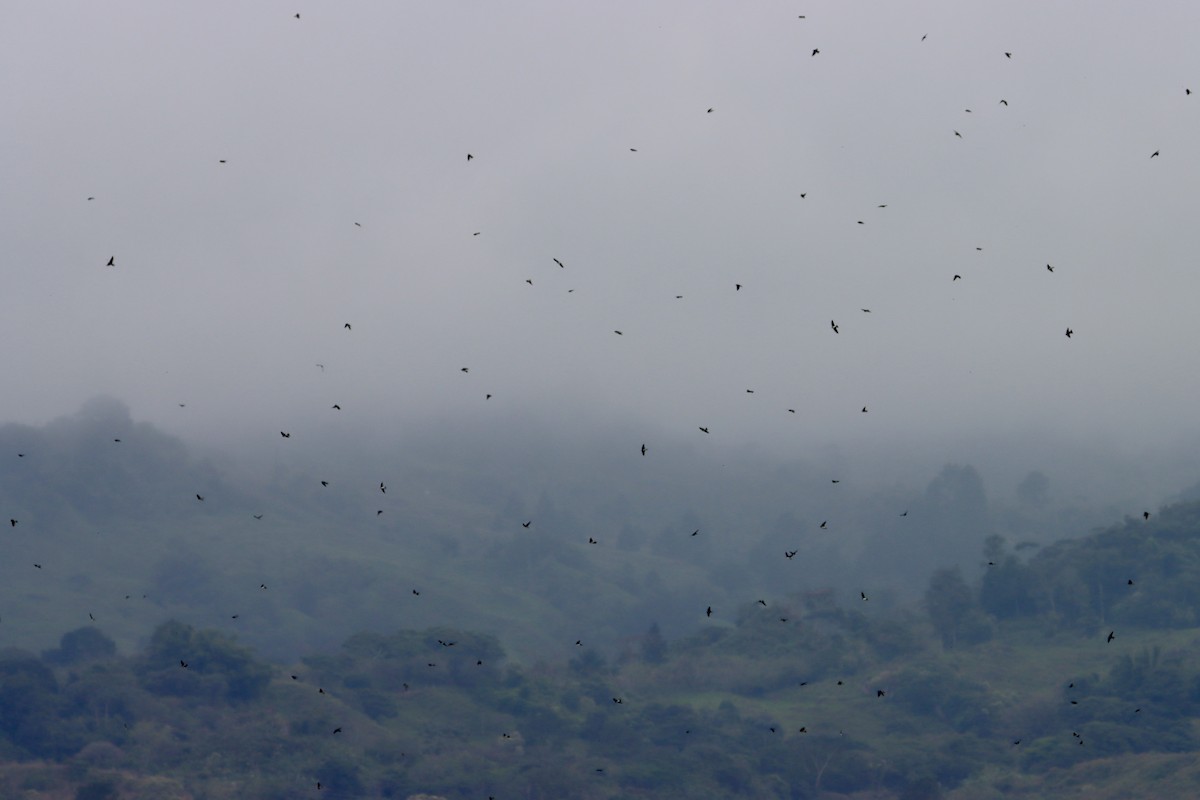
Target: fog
x=562, y=323
x=231, y=152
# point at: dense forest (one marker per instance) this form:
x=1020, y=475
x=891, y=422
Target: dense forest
x=278, y=639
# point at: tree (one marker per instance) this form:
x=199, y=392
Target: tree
x=952, y=610
x=81, y=644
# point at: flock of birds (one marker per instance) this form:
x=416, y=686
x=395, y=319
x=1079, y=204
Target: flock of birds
x=645, y=449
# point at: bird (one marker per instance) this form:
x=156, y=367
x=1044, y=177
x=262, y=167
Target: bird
x=815, y=51
x=200, y=498
x=592, y=541
x=111, y=261
x=469, y=156
x=337, y=730
x=347, y=327
x=618, y=333
x=708, y=613
x=416, y=593
x=526, y=524
x=959, y=135
x=865, y=310
x=1145, y=515
x=1049, y=268
x=863, y=595
x=737, y=287
x=1154, y=154
x=560, y=264
x=257, y=516
x=285, y=434
x=37, y=566
x=956, y=278
x=529, y=281
x=749, y=391
x=633, y=149
x=695, y=531
x=1111, y=635
x=880, y=693
x=1003, y=102
x=336, y=407
x=1129, y=582
x=864, y=410
x=789, y=553
x=465, y=370
x=803, y=195
x=824, y=524
x=12, y=522
x=324, y=483
x=704, y=429
x=834, y=480
x=710, y=110
x=382, y=488
x=183, y=663
x=1069, y=332
x=762, y=603
x=833, y=325
x=618, y=700
x=1008, y=55
x=904, y=514
x=643, y=449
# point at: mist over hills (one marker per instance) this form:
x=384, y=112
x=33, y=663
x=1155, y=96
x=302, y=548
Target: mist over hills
x=107, y=507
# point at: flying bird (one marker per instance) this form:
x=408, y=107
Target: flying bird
x=1069, y=332
x=560, y=264
x=526, y=524
x=710, y=110
x=864, y=409
x=833, y=325
x=824, y=524
x=643, y=449
x=469, y=156
x=336, y=407
x=1145, y=515
x=347, y=326
x=1008, y=55
x=1049, y=268
x=200, y=498
x=959, y=135
x=956, y=278
x=704, y=429
x=1003, y=102
x=257, y=516
x=111, y=261
x=815, y=51
x=12, y=522
x=737, y=287
x=285, y=434
x=1154, y=154
x=789, y=553
x=1111, y=635
x=708, y=613
x=618, y=333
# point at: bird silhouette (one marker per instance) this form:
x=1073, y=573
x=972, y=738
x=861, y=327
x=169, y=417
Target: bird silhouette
x=709, y=111
x=704, y=429
x=257, y=516
x=1008, y=55
x=1111, y=635
x=1154, y=154
x=324, y=483
x=1049, y=268
x=1145, y=515
x=737, y=287
x=959, y=135
x=708, y=613
x=111, y=261
x=824, y=524
x=643, y=449
x=1003, y=102
x=864, y=410
x=815, y=51
x=200, y=498
x=560, y=264
x=618, y=333
x=789, y=553
x=834, y=325
x=956, y=278
x=285, y=435
x=526, y=524
x=1069, y=332
x=12, y=522
x=347, y=327
x=469, y=156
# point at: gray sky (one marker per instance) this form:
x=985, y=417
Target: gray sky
x=232, y=281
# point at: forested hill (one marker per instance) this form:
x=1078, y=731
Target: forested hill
x=1049, y=677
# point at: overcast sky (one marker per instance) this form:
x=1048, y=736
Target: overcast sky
x=231, y=148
